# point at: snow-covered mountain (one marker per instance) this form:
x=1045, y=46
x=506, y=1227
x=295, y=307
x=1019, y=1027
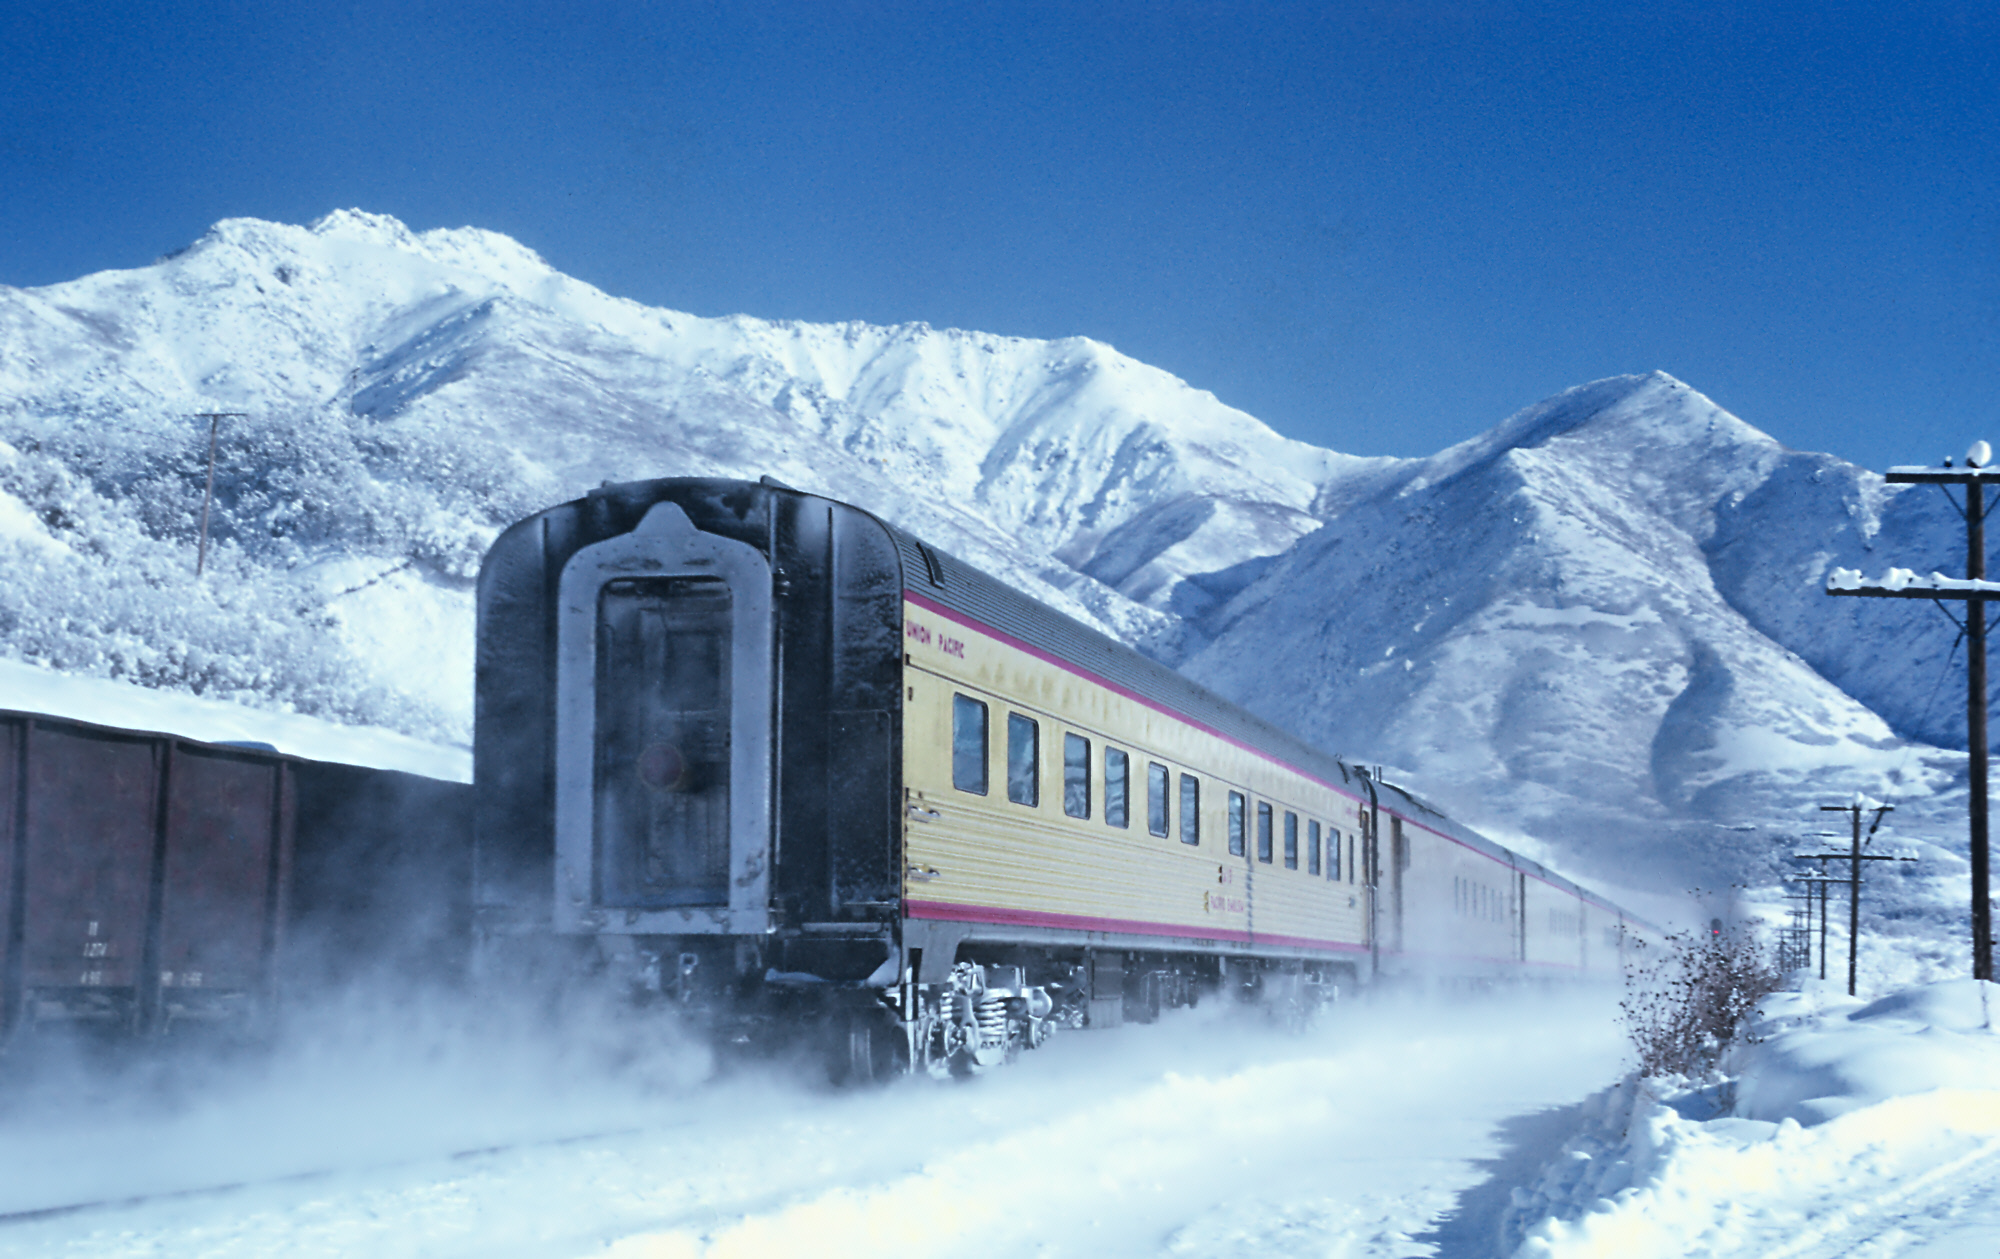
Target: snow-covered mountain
x=407, y=395
x=1604, y=618
x=1600, y=623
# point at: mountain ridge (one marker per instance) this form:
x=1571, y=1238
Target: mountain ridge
x=1602, y=617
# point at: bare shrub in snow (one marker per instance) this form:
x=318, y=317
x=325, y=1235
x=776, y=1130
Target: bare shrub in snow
x=1686, y=1002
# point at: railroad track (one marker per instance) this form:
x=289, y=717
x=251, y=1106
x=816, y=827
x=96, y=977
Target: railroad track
x=197, y=1192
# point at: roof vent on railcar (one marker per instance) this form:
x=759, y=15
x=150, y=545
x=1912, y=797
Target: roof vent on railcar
x=933, y=566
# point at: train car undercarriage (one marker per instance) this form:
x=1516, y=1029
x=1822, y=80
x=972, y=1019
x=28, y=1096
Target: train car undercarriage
x=993, y=1002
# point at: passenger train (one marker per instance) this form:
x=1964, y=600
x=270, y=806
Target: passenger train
x=762, y=755
x=757, y=756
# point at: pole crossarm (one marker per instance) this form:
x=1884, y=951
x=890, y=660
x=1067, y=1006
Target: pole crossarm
x=1907, y=475
x=1904, y=583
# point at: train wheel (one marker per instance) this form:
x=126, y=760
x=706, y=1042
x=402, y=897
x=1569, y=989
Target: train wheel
x=863, y=1049
x=948, y=1051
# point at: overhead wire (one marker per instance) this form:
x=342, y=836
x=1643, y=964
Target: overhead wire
x=1896, y=776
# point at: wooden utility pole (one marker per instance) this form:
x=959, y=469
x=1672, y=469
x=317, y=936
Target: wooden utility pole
x=1795, y=946
x=1815, y=899
x=215, y=419
x=1856, y=857
x=1974, y=590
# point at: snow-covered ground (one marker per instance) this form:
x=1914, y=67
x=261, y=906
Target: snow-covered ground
x=1844, y=1128
x=1202, y=1135
x=1465, y=1127
x=30, y=688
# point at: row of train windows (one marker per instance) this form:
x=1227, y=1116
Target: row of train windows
x=1477, y=900
x=969, y=773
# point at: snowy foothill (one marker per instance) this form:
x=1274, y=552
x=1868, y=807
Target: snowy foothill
x=1838, y=1126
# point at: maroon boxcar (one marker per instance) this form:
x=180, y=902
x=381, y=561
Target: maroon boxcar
x=151, y=880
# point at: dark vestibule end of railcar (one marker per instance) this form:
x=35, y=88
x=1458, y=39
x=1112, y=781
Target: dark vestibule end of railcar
x=688, y=728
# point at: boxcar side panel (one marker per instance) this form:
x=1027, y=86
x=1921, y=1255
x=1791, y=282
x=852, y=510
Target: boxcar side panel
x=381, y=877
x=92, y=821
x=222, y=840
x=13, y=732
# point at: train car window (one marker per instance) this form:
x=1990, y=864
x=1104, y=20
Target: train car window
x=1156, y=798
x=968, y=744
x=1332, y=852
x=1190, y=809
x=1235, y=823
x=1291, y=840
x=1024, y=779
x=1312, y=847
x=1076, y=775
x=1263, y=831
x=1117, y=788
x=1350, y=858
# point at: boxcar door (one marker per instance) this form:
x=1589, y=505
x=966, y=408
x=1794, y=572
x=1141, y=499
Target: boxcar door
x=92, y=822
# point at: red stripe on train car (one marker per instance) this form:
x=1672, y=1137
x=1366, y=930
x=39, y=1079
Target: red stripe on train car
x=997, y=916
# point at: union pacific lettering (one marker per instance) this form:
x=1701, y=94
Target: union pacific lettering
x=918, y=632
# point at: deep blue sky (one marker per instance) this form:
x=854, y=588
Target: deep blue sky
x=1379, y=227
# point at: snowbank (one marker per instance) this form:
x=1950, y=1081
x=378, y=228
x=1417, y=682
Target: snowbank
x=1818, y=1057
x=1842, y=1121
x=28, y=688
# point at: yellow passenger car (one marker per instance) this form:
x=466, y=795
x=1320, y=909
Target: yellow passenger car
x=783, y=763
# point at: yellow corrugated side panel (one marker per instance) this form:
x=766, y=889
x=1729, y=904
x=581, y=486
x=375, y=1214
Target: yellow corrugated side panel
x=988, y=853
x=1550, y=943
x=1466, y=910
